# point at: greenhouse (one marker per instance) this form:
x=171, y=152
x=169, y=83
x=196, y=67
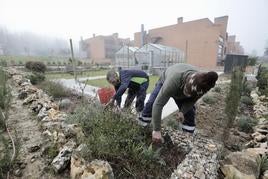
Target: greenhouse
x=125, y=57
x=159, y=56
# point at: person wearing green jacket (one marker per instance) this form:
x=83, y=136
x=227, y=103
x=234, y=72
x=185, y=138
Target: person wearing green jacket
x=185, y=84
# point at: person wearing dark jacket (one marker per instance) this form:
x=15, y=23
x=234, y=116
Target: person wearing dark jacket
x=136, y=81
x=185, y=84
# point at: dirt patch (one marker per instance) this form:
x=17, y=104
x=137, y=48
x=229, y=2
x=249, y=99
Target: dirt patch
x=25, y=127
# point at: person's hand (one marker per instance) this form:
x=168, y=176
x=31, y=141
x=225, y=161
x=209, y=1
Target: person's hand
x=157, y=137
x=180, y=117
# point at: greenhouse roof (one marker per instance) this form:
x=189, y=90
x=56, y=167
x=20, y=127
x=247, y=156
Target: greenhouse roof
x=160, y=47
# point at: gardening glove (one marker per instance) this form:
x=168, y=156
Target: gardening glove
x=180, y=117
x=157, y=137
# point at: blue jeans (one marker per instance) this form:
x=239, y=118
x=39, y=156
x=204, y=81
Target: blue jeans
x=189, y=117
x=141, y=95
x=147, y=111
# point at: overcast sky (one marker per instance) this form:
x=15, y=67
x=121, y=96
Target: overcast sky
x=248, y=19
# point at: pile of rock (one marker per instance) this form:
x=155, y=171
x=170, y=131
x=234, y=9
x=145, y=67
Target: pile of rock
x=53, y=123
x=201, y=160
x=260, y=104
x=243, y=164
x=80, y=168
x=260, y=135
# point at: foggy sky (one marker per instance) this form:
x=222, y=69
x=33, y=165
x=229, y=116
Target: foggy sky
x=248, y=19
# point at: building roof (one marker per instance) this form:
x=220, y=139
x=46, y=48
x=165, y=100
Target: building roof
x=159, y=47
x=133, y=48
x=125, y=47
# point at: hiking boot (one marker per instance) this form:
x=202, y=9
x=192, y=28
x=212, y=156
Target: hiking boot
x=144, y=121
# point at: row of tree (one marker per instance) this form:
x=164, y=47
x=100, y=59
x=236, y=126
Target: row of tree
x=27, y=43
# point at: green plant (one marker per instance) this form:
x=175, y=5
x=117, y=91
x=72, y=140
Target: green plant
x=57, y=90
x=51, y=151
x=262, y=163
x=233, y=100
x=262, y=78
x=252, y=60
x=209, y=99
x=5, y=98
x=246, y=88
x=3, y=63
x=36, y=78
x=173, y=123
x=217, y=89
x=246, y=100
x=4, y=157
x=117, y=138
x=35, y=66
x=20, y=63
x=246, y=124
x=4, y=90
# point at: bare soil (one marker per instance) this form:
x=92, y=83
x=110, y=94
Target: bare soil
x=24, y=125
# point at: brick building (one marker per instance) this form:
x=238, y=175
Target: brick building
x=203, y=41
x=233, y=46
x=101, y=49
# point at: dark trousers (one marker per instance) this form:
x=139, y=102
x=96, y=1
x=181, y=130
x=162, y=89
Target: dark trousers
x=189, y=117
x=140, y=93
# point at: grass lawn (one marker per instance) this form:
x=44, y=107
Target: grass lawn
x=69, y=76
x=104, y=83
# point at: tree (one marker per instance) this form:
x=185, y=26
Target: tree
x=252, y=60
x=233, y=100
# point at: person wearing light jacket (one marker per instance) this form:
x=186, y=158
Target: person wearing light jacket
x=185, y=84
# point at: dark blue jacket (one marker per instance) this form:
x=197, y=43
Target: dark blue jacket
x=126, y=81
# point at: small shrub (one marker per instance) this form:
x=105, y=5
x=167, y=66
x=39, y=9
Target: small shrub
x=117, y=139
x=262, y=78
x=217, y=89
x=246, y=124
x=20, y=63
x=33, y=66
x=4, y=90
x=36, y=78
x=246, y=100
x=51, y=151
x=209, y=99
x=12, y=62
x=172, y=123
x=54, y=89
x=5, y=158
x=3, y=63
x=262, y=163
x=232, y=101
x=252, y=61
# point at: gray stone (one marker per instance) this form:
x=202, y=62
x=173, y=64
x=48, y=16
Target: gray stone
x=260, y=138
x=18, y=173
x=242, y=161
x=65, y=103
x=22, y=95
x=265, y=175
x=231, y=172
x=42, y=113
x=93, y=170
x=34, y=148
x=62, y=160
